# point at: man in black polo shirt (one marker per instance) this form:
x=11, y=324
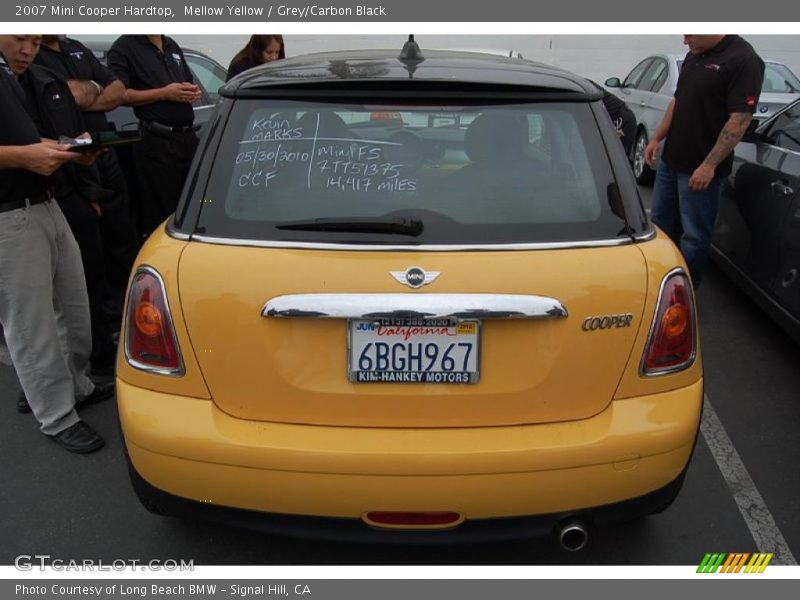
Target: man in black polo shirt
x=161, y=89
x=97, y=90
x=716, y=96
x=40, y=268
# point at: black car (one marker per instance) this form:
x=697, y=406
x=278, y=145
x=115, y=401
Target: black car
x=757, y=235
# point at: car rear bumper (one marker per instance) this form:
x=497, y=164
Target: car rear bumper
x=186, y=455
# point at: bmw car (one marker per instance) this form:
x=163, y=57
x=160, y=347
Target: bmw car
x=410, y=295
x=650, y=86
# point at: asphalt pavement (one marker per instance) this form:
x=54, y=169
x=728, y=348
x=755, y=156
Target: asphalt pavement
x=742, y=491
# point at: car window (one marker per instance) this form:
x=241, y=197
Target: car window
x=207, y=74
x=655, y=76
x=634, y=77
x=785, y=130
x=779, y=79
x=476, y=174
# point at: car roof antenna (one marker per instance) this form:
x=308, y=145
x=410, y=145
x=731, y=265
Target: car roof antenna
x=411, y=55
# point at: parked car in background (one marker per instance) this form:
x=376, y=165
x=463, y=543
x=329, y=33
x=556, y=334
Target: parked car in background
x=649, y=87
x=410, y=297
x=757, y=235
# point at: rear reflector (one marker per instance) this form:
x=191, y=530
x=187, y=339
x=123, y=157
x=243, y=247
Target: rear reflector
x=672, y=345
x=150, y=342
x=413, y=520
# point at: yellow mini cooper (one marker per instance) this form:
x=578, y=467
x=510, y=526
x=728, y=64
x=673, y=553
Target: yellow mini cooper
x=410, y=295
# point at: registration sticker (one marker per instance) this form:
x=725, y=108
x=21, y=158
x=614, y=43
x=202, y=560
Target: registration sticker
x=413, y=351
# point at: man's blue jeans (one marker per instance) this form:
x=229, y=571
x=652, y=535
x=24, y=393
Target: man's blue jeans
x=687, y=217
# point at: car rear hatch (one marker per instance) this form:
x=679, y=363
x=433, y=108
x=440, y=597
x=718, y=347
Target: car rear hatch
x=295, y=369
x=497, y=230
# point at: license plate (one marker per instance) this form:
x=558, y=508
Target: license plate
x=413, y=351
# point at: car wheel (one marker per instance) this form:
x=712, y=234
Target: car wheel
x=644, y=174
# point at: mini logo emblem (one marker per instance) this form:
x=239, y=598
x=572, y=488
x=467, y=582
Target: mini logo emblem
x=415, y=277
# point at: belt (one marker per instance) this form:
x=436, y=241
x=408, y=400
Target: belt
x=29, y=201
x=160, y=128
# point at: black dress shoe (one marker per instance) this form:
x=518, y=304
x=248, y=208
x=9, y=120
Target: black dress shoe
x=78, y=438
x=102, y=391
x=22, y=403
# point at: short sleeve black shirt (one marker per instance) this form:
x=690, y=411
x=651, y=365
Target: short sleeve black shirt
x=17, y=129
x=76, y=61
x=726, y=79
x=142, y=66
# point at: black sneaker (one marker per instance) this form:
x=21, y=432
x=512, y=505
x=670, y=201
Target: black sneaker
x=79, y=438
x=102, y=391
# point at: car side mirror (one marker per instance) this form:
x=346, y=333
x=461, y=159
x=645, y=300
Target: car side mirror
x=613, y=82
x=751, y=135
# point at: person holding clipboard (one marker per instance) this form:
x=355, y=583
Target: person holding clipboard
x=40, y=264
x=78, y=188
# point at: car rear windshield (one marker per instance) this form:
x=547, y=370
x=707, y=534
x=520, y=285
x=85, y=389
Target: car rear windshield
x=412, y=174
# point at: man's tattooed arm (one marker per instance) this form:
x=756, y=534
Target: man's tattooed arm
x=730, y=135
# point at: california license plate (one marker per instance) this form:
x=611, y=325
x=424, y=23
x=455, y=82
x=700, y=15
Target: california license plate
x=413, y=351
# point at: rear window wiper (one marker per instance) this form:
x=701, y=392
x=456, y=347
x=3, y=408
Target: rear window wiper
x=397, y=225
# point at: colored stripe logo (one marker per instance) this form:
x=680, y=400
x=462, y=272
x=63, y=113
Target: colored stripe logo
x=741, y=562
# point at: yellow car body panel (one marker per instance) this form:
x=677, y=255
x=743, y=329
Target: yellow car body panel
x=661, y=257
x=280, y=429
x=295, y=370
x=164, y=251
x=194, y=450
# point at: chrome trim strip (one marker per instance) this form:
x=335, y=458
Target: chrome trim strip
x=178, y=235
x=690, y=361
x=422, y=247
x=180, y=371
x=414, y=306
x=646, y=236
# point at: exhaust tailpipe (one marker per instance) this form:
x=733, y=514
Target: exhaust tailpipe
x=572, y=535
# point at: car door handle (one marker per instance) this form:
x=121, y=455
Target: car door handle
x=779, y=187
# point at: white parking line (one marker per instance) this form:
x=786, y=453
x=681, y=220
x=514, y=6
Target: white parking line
x=759, y=520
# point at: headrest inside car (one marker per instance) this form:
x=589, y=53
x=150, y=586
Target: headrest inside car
x=330, y=124
x=496, y=136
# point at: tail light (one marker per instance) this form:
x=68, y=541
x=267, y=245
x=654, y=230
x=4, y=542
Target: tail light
x=150, y=342
x=672, y=344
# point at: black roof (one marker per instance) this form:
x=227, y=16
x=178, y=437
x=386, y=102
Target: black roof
x=377, y=68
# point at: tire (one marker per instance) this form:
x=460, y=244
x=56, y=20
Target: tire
x=644, y=174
